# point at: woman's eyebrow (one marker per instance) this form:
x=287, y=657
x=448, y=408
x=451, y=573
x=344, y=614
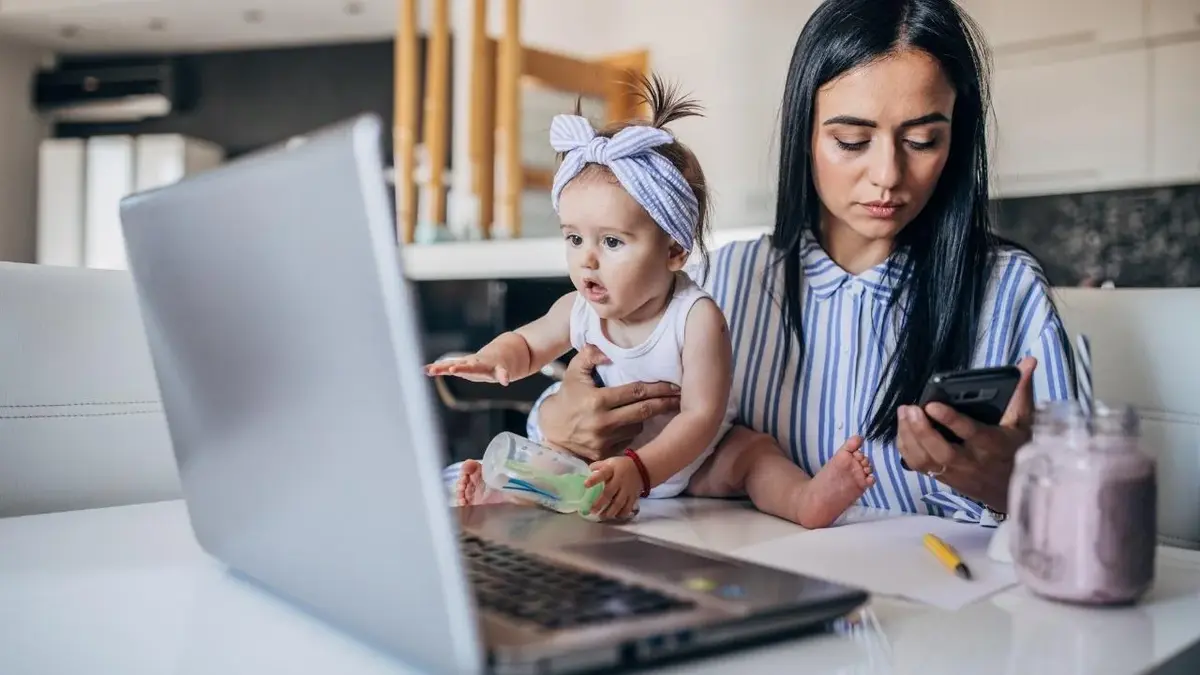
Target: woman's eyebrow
x=850, y=120
x=931, y=118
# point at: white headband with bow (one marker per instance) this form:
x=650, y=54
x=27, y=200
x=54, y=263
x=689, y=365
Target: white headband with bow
x=651, y=179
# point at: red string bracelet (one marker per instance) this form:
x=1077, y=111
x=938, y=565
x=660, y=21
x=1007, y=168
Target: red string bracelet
x=641, y=470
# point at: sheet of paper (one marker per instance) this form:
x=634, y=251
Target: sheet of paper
x=887, y=557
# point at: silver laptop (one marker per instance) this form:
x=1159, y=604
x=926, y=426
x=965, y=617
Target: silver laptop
x=287, y=348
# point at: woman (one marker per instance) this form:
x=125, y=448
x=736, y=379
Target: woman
x=881, y=270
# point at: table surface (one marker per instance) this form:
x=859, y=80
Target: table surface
x=127, y=590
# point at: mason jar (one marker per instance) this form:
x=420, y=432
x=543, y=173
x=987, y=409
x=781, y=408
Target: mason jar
x=1083, y=506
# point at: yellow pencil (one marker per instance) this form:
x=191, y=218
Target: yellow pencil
x=947, y=556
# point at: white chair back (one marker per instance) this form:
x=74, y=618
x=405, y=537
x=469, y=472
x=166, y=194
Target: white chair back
x=1145, y=347
x=81, y=424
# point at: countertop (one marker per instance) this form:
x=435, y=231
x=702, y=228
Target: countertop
x=127, y=590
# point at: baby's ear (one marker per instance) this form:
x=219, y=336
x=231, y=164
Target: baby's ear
x=678, y=257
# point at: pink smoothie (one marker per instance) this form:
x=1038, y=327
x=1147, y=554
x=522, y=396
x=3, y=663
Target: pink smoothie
x=1085, y=519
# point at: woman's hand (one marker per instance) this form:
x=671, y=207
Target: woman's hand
x=596, y=423
x=982, y=465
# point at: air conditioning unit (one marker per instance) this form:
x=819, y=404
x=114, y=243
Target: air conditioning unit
x=111, y=91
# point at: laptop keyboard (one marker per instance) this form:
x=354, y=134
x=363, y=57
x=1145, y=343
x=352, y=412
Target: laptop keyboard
x=553, y=596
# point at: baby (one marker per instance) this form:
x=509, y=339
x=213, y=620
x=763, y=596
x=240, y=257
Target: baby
x=632, y=202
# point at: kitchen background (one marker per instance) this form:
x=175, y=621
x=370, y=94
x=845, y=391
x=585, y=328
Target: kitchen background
x=1096, y=151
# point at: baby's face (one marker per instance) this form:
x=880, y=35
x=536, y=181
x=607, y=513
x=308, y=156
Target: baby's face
x=620, y=260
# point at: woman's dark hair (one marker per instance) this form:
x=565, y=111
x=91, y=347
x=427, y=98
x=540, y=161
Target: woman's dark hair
x=949, y=244
x=666, y=104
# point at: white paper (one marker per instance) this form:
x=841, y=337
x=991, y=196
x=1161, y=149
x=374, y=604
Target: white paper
x=888, y=557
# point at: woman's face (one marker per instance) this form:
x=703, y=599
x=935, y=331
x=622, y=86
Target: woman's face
x=881, y=135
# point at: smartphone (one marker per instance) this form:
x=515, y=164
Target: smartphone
x=981, y=394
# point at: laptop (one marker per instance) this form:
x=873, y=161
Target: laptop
x=287, y=349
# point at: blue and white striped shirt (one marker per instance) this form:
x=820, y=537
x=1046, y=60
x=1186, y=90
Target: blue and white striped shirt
x=812, y=408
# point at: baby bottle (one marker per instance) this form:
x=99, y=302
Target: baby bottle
x=518, y=466
x=1083, y=501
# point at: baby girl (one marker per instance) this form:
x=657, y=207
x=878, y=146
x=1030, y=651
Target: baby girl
x=632, y=202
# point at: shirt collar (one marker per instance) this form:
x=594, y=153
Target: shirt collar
x=825, y=277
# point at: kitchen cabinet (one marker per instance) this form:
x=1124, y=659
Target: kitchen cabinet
x=1172, y=17
x=1072, y=126
x=1176, y=123
x=1017, y=26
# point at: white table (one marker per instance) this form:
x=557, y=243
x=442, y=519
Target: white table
x=126, y=590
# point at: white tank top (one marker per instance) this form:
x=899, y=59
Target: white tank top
x=659, y=358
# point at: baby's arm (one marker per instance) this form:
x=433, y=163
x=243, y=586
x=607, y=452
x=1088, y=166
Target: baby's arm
x=519, y=353
x=704, y=395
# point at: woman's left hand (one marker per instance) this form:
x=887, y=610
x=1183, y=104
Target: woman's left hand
x=981, y=466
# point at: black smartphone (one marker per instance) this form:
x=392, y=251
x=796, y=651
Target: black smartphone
x=981, y=394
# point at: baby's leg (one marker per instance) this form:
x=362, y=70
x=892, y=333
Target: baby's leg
x=752, y=464
x=835, y=488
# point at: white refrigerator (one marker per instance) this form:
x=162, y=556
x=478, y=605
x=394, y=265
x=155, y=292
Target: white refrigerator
x=81, y=182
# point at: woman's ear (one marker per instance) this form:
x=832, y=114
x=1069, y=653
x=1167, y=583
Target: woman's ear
x=677, y=257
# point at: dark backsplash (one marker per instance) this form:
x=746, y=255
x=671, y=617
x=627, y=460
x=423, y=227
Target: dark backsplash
x=1133, y=238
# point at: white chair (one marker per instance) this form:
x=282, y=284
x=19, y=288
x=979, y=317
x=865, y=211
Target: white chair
x=1145, y=347
x=81, y=424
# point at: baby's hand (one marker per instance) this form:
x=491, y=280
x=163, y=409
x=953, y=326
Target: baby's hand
x=622, y=487
x=474, y=368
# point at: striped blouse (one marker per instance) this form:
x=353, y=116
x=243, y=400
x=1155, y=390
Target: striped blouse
x=812, y=408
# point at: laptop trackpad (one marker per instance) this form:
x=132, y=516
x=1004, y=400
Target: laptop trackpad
x=653, y=559
x=754, y=585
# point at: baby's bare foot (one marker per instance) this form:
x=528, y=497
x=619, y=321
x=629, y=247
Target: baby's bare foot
x=471, y=490
x=835, y=488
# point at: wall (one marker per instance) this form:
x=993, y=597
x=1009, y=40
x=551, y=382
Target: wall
x=249, y=99
x=734, y=60
x=21, y=130
x=583, y=27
